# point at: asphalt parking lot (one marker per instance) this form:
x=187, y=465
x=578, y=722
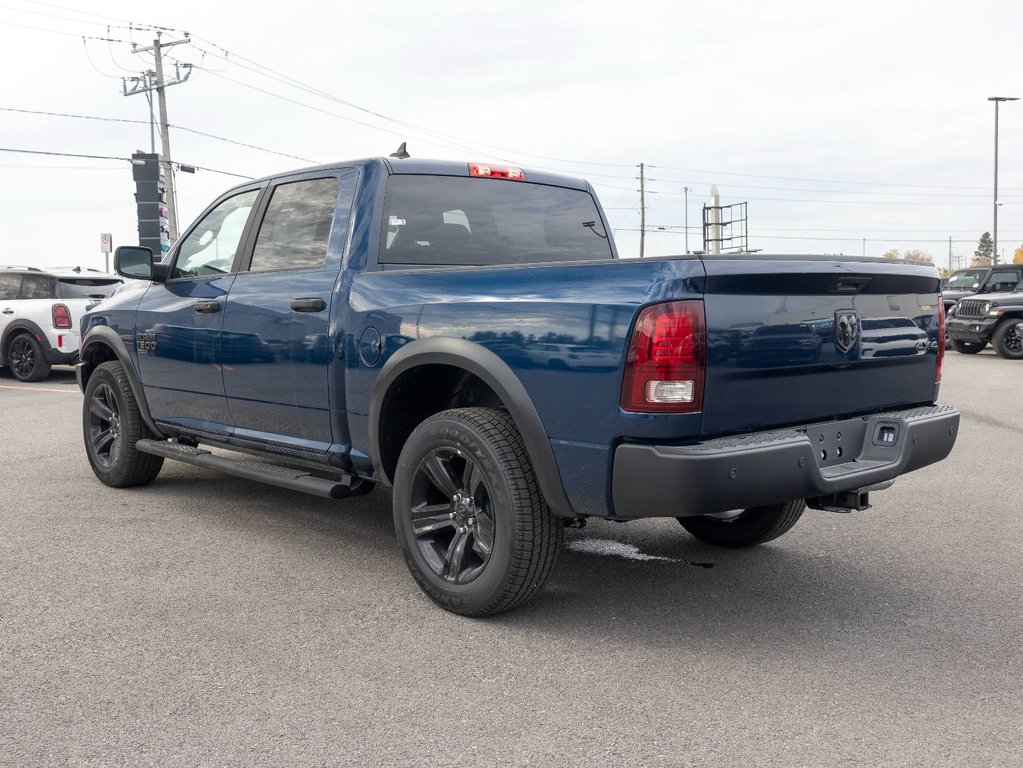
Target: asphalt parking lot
x=207, y=621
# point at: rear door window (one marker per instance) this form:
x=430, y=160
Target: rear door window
x=451, y=220
x=296, y=227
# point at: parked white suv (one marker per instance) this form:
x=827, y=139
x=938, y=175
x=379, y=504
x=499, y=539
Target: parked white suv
x=40, y=314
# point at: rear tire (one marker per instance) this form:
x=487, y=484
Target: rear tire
x=966, y=347
x=750, y=527
x=26, y=359
x=472, y=524
x=1007, y=339
x=112, y=424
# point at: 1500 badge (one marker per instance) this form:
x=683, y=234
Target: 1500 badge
x=145, y=342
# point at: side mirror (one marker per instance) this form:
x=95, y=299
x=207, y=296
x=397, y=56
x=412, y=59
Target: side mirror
x=134, y=261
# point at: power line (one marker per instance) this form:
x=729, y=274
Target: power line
x=85, y=45
x=323, y=111
x=111, y=157
x=454, y=142
x=63, y=154
x=666, y=230
x=59, y=32
x=824, y=181
x=436, y=134
x=843, y=191
x=146, y=122
x=130, y=24
x=75, y=10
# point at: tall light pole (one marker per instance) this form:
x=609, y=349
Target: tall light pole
x=685, y=205
x=994, y=233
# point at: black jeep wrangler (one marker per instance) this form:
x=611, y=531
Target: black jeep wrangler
x=995, y=318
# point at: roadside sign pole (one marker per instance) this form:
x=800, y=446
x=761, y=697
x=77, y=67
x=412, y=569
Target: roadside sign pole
x=105, y=246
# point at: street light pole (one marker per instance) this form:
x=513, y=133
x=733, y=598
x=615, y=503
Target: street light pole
x=994, y=233
x=685, y=197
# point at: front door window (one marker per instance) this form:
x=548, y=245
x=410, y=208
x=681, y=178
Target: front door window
x=211, y=247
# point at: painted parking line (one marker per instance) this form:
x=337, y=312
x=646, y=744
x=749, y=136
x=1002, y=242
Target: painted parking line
x=41, y=389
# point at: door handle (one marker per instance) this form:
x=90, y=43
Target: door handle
x=8, y=311
x=308, y=305
x=207, y=307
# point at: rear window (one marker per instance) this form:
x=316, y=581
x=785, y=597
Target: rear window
x=87, y=287
x=454, y=220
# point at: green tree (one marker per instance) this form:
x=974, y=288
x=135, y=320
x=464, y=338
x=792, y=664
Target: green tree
x=985, y=250
x=891, y=253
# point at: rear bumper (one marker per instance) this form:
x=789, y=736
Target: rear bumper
x=779, y=465
x=65, y=352
x=975, y=330
x=56, y=357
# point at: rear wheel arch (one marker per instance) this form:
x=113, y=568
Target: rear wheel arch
x=458, y=373
x=16, y=328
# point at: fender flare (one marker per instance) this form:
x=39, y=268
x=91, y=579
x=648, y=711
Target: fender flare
x=106, y=336
x=496, y=374
x=17, y=326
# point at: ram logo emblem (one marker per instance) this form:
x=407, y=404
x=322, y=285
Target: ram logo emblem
x=847, y=329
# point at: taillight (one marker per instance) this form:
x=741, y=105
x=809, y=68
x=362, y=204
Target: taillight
x=61, y=316
x=665, y=364
x=941, y=339
x=496, y=171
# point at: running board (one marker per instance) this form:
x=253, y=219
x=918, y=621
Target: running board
x=248, y=469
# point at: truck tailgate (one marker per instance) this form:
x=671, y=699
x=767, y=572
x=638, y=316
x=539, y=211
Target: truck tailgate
x=794, y=340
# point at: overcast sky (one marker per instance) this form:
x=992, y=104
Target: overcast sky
x=851, y=127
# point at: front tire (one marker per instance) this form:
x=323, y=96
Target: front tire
x=112, y=424
x=747, y=528
x=471, y=522
x=967, y=347
x=26, y=359
x=1007, y=340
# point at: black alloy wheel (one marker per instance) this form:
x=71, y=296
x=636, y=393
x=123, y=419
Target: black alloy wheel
x=1008, y=339
x=471, y=521
x=26, y=359
x=112, y=425
x=103, y=425
x=452, y=515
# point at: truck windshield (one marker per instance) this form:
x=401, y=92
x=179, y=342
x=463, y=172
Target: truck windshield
x=470, y=221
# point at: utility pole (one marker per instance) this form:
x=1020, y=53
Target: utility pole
x=950, y=254
x=159, y=84
x=642, y=210
x=685, y=205
x=994, y=249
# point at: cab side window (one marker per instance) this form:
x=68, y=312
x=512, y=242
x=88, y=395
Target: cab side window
x=211, y=246
x=296, y=228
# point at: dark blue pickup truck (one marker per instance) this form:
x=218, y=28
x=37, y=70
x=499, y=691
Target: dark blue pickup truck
x=467, y=334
